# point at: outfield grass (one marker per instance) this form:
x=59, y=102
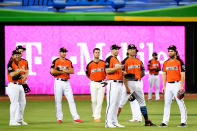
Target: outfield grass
x=41, y=116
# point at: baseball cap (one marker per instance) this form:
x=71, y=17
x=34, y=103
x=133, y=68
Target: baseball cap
x=172, y=47
x=63, y=49
x=154, y=54
x=15, y=52
x=132, y=46
x=114, y=46
x=20, y=47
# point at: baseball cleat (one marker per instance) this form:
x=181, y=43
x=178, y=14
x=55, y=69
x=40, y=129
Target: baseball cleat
x=132, y=120
x=78, y=121
x=14, y=124
x=182, y=125
x=110, y=126
x=59, y=121
x=119, y=110
x=163, y=125
x=23, y=123
x=118, y=125
x=97, y=120
x=149, y=123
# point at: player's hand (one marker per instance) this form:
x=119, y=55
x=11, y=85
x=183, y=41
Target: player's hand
x=120, y=67
x=163, y=90
x=181, y=89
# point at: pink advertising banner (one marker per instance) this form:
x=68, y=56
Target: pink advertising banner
x=43, y=43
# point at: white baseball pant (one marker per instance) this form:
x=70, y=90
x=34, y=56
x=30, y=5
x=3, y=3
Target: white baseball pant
x=97, y=94
x=170, y=93
x=153, y=80
x=60, y=88
x=17, y=102
x=135, y=108
x=113, y=100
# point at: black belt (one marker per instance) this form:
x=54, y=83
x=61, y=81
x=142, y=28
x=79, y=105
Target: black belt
x=98, y=81
x=134, y=80
x=62, y=79
x=155, y=74
x=174, y=82
x=118, y=81
x=17, y=83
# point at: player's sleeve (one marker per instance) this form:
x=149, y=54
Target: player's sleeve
x=53, y=64
x=107, y=62
x=27, y=66
x=164, y=67
x=87, y=69
x=142, y=67
x=182, y=66
x=123, y=63
x=149, y=64
x=71, y=65
x=10, y=68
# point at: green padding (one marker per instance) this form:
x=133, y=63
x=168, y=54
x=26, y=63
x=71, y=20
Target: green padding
x=16, y=15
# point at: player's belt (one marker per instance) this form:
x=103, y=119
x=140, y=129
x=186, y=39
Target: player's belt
x=17, y=83
x=174, y=82
x=98, y=81
x=119, y=81
x=134, y=80
x=154, y=74
x=61, y=79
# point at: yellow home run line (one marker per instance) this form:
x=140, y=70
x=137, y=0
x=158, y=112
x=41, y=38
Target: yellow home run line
x=171, y=19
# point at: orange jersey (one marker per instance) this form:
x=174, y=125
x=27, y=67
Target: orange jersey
x=96, y=71
x=12, y=66
x=153, y=63
x=112, y=62
x=173, y=69
x=134, y=66
x=59, y=64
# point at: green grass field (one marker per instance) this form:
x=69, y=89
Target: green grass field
x=41, y=116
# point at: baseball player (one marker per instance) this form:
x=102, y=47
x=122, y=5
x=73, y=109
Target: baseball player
x=114, y=74
x=95, y=71
x=135, y=108
x=135, y=66
x=17, y=70
x=154, y=68
x=61, y=69
x=173, y=80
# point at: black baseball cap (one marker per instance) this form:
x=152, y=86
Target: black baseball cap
x=20, y=47
x=132, y=46
x=154, y=54
x=172, y=47
x=63, y=49
x=15, y=52
x=114, y=46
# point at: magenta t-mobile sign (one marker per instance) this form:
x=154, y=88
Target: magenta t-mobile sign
x=43, y=43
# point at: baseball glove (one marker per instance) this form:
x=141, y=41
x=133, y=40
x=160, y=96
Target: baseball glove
x=131, y=97
x=180, y=95
x=158, y=69
x=26, y=88
x=130, y=76
x=17, y=77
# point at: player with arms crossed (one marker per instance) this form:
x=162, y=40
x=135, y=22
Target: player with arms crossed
x=61, y=69
x=17, y=70
x=95, y=71
x=154, y=68
x=134, y=68
x=173, y=80
x=114, y=74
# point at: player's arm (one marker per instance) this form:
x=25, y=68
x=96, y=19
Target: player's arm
x=182, y=80
x=68, y=71
x=164, y=82
x=55, y=71
x=112, y=70
x=142, y=72
x=17, y=72
x=126, y=85
x=24, y=77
